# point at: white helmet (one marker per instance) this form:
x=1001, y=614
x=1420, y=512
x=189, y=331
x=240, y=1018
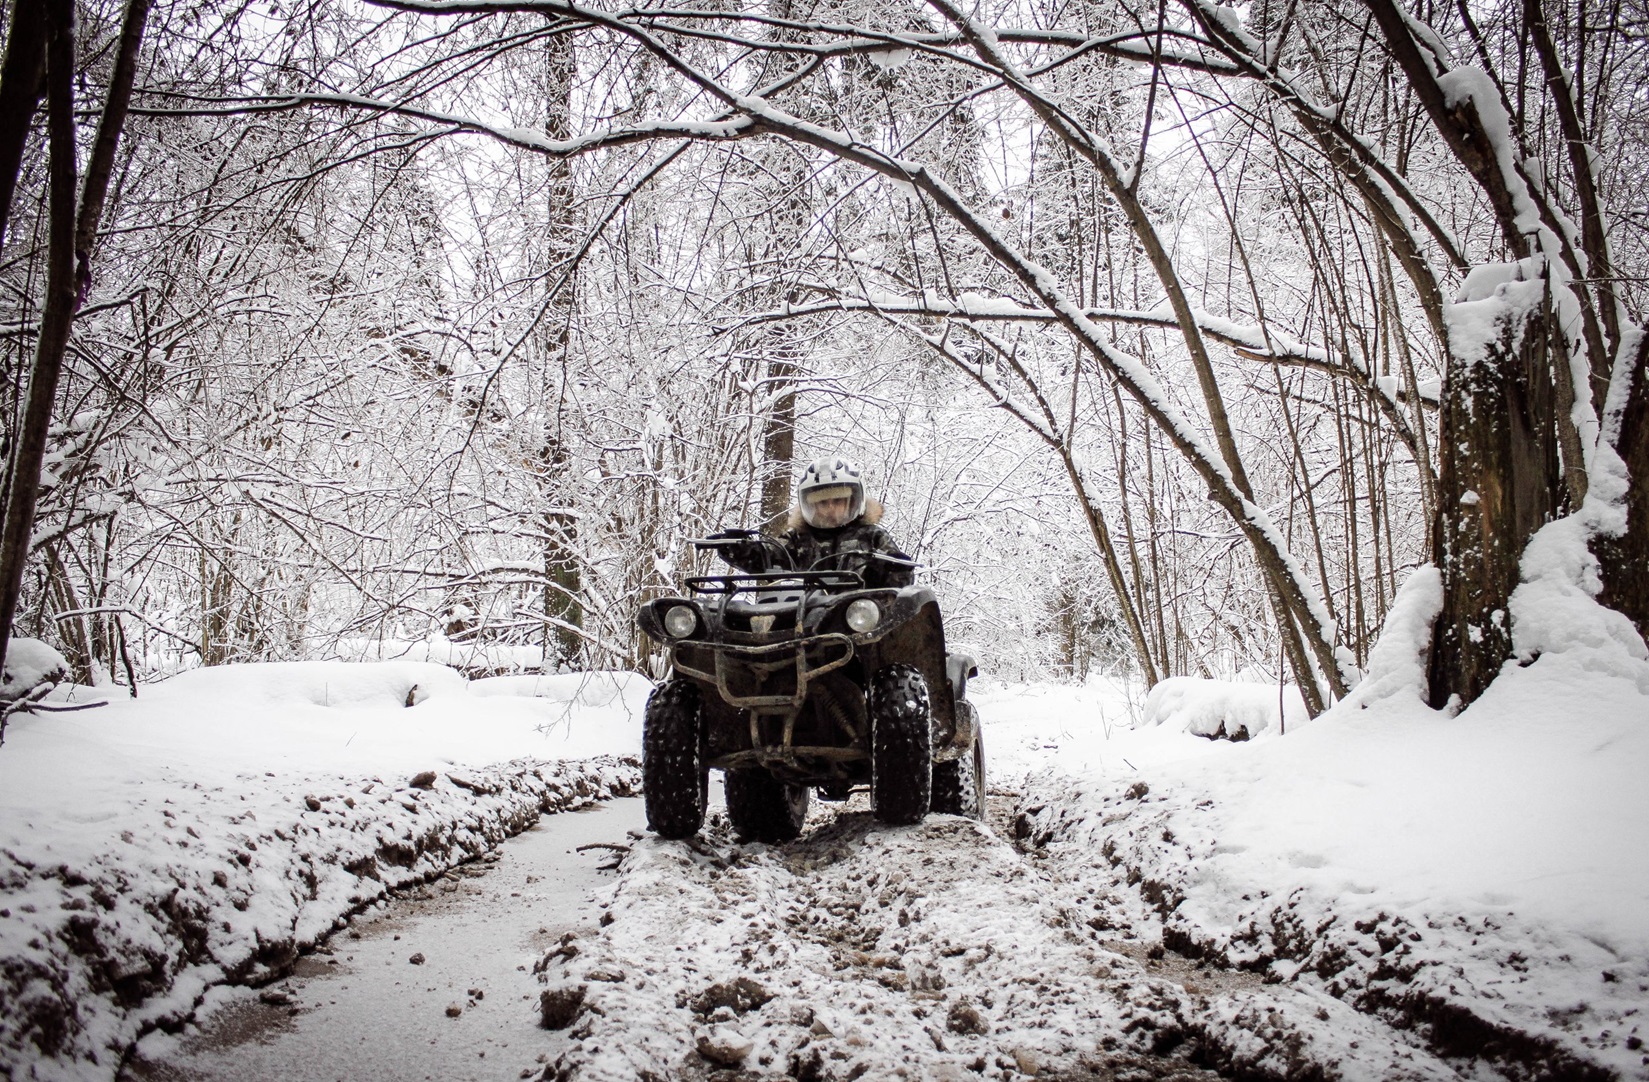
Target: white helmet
x=831, y=478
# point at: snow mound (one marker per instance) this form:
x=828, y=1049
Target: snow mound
x=30, y=663
x=1397, y=664
x=1221, y=709
x=1555, y=615
x=318, y=683
x=218, y=825
x=475, y=658
x=193, y=887
x=1474, y=868
x=583, y=689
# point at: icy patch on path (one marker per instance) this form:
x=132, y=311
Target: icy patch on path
x=925, y=952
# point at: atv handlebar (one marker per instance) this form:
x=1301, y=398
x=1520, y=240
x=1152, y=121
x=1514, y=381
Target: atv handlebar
x=727, y=537
x=729, y=584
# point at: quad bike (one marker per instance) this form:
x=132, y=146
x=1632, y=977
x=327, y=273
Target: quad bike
x=795, y=681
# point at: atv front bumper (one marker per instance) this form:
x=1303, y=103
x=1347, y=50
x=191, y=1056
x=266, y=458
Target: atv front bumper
x=832, y=649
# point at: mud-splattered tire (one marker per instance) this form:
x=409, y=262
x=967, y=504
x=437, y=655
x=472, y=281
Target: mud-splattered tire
x=674, y=780
x=959, y=785
x=764, y=809
x=901, y=746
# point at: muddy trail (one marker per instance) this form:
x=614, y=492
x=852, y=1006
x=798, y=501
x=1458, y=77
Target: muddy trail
x=436, y=984
x=860, y=951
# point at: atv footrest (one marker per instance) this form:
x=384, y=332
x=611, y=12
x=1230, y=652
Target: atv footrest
x=780, y=758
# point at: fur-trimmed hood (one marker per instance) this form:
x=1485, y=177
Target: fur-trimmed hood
x=871, y=517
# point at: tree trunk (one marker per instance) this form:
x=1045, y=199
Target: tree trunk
x=563, y=571
x=19, y=94
x=1501, y=480
x=563, y=574
x=1625, y=559
x=23, y=488
x=779, y=440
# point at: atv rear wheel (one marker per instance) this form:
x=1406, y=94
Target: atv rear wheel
x=959, y=785
x=901, y=745
x=674, y=779
x=764, y=809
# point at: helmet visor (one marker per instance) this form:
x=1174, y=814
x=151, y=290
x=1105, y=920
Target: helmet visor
x=830, y=506
x=830, y=492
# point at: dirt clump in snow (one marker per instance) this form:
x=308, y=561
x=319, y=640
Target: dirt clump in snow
x=558, y=1007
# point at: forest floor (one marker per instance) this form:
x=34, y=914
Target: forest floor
x=1381, y=894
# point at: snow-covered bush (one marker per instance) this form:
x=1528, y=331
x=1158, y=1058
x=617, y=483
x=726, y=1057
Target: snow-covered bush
x=1222, y=709
x=30, y=663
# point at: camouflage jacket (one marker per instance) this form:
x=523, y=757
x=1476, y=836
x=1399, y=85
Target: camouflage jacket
x=845, y=548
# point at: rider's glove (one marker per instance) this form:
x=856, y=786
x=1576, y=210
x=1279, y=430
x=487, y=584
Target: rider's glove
x=893, y=574
x=746, y=554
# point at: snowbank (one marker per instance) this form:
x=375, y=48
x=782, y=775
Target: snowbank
x=1222, y=709
x=474, y=658
x=1477, y=878
x=221, y=823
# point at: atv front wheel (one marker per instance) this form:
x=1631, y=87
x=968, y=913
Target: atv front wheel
x=901, y=746
x=959, y=785
x=764, y=809
x=674, y=779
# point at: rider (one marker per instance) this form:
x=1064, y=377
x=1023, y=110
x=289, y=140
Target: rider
x=834, y=526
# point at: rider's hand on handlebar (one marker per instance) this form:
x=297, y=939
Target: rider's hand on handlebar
x=746, y=554
x=721, y=539
x=744, y=549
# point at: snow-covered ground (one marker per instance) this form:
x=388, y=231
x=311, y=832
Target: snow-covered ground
x=227, y=819
x=1385, y=892
x=1479, y=879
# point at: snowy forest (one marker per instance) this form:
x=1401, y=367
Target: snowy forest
x=1161, y=332
x=1252, y=347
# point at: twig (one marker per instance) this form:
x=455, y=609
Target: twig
x=30, y=702
x=54, y=708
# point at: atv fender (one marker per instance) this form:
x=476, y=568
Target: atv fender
x=958, y=667
x=918, y=640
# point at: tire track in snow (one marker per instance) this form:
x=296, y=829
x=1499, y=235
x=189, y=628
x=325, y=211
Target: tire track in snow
x=935, y=951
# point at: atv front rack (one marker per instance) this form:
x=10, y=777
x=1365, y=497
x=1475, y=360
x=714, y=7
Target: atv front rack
x=819, y=580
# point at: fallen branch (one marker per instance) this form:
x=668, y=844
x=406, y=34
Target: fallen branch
x=30, y=703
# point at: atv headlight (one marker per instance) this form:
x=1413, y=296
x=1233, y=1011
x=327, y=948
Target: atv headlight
x=863, y=615
x=680, y=621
